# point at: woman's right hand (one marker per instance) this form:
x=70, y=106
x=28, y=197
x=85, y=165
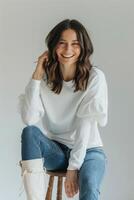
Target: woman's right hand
x=39, y=71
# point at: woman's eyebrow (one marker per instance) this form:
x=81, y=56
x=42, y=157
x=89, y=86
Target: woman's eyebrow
x=65, y=40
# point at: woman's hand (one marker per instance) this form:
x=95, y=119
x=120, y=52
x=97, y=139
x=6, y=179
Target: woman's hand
x=71, y=183
x=39, y=71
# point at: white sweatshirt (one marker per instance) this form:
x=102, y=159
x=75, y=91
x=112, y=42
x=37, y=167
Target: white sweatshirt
x=69, y=118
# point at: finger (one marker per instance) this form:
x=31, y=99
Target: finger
x=76, y=187
x=44, y=53
x=73, y=189
x=45, y=58
x=68, y=189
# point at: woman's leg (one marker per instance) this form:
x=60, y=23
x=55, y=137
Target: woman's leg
x=91, y=174
x=37, y=152
x=36, y=145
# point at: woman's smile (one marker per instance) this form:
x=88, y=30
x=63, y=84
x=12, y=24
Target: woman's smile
x=67, y=56
x=68, y=48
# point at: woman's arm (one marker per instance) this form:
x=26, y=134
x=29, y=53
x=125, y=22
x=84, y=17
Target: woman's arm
x=78, y=152
x=94, y=107
x=30, y=104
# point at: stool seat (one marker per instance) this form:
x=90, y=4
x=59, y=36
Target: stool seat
x=56, y=173
x=60, y=174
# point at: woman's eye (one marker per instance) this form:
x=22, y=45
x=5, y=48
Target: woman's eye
x=65, y=43
x=61, y=42
x=75, y=44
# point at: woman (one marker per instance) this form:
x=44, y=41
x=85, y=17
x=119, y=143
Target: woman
x=70, y=96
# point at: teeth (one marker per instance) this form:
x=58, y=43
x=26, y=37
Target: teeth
x=69, y=56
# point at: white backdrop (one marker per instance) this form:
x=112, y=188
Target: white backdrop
x=24, y=26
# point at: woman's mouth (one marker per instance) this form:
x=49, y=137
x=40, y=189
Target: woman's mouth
x=67, y=56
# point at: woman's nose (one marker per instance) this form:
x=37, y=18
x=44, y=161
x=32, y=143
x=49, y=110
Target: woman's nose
x=68, y=47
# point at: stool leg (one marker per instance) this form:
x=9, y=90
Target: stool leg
x=59, y=188
x=50, y=188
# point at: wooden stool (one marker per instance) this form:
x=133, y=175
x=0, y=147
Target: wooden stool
x=60, y=175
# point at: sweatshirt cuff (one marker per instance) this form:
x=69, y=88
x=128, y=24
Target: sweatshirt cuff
x=72, y=167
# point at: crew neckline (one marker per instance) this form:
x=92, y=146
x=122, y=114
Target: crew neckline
x=68, y=82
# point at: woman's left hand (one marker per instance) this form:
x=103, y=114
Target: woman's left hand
x=71, y=183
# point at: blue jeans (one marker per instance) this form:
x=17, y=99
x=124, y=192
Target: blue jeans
x=34, y=144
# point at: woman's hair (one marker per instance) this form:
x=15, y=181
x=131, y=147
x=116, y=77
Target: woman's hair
x=52, y=67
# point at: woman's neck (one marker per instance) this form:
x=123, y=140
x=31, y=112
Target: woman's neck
x=68, y=71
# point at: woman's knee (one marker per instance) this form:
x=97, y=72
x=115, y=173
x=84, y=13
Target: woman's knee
x=29, y=132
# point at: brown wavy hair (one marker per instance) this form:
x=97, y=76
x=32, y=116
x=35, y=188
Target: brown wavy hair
x=83, y=66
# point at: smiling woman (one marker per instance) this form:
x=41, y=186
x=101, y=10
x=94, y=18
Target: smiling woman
x=69, y=51
x=70, y=96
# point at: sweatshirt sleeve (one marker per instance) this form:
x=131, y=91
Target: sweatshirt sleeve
x=78, y=152
x=30, y=105
x=94, y=106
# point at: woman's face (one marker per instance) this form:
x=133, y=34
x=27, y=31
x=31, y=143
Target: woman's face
x=68, y=47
